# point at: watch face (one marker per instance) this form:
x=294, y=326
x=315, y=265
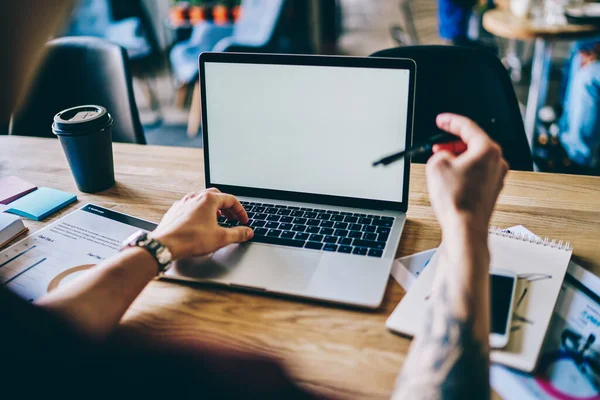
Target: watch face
x=163, y=255
x=159, y=251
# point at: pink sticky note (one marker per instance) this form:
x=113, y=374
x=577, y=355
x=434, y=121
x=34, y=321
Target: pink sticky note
x=12, y=188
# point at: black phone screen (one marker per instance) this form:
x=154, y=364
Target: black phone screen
x=500, y=293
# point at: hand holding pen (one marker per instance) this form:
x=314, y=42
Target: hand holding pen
x=439, y=142
x=463, y=188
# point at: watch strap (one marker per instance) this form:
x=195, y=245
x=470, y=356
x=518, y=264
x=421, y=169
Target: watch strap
x=156, y=249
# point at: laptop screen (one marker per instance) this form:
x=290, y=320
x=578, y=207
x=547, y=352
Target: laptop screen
x=306, y=128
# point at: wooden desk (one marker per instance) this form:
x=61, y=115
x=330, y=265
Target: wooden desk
x=340, y=351
x=504, y=24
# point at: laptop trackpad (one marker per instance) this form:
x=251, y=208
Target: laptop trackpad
x=255, y=265
x=268, y=267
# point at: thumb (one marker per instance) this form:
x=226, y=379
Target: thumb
x=238, y=234
x=441, y=159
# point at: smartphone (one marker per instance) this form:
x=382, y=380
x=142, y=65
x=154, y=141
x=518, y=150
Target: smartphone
x=503, y=284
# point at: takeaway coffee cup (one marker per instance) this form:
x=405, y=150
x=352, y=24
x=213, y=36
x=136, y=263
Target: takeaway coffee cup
x=85, y=133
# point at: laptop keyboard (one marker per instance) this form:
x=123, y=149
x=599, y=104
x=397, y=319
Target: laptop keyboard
x=317, y=229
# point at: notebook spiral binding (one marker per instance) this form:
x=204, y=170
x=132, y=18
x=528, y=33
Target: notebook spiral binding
x=544, y=241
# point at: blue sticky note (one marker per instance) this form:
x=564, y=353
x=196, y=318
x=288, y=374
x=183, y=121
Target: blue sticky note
x=41, y=203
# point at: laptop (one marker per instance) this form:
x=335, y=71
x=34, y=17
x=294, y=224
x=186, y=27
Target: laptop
x=294, y=138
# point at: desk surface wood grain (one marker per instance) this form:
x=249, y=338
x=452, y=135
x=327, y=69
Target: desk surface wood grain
x=337, y=350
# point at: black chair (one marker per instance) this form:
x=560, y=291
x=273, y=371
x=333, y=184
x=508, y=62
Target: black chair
x=77, y=71
x=145, y=65
x=469, y=82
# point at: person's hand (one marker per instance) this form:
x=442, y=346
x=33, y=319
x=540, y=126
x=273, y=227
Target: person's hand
x=190, y=226
x=463, y=188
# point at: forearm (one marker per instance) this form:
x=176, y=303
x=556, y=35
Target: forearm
x=464, y=270
x=95, y=303
x=450, y=357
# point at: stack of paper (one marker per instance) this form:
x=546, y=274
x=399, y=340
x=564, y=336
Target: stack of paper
x=10, y=228
x=12, y=188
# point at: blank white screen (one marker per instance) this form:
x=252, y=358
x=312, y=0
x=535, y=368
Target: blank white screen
x=307, y=129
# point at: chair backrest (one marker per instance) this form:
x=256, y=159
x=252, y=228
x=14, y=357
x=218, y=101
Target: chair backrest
x=137, y=9
x=77, y=71
x=469, y=82
x=259, y=22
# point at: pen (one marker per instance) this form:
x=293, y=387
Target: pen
x=454, y=145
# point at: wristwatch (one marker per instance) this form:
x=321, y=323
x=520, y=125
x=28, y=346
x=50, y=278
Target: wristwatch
x=157, y=250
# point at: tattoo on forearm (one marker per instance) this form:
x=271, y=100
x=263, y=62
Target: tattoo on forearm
x=445, y=361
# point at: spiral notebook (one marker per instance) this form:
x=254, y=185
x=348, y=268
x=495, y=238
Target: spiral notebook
x=540, y=264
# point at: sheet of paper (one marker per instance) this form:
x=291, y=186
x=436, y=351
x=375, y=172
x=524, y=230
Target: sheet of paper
x=64, y=249
x=405, y=270
x=12, y=188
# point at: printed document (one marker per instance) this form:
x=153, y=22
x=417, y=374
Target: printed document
x=64, y=249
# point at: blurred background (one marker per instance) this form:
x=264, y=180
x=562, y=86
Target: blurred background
x=543, y=46
x=164, y=38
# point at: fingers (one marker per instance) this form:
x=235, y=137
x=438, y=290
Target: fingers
x=460, y=126
x=504, y=168
x=195, y=195
x=230, y=206
x=479, y=144
x=501, y=174
x=467, y=130
x=239, y=234
x=224, y=203
x=440, y=160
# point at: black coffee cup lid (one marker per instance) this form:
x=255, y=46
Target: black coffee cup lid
x=81, y=120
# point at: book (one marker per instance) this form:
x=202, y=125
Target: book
x=12, y=188
x=41, y=203
x=540, y=265
x=10, y=227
